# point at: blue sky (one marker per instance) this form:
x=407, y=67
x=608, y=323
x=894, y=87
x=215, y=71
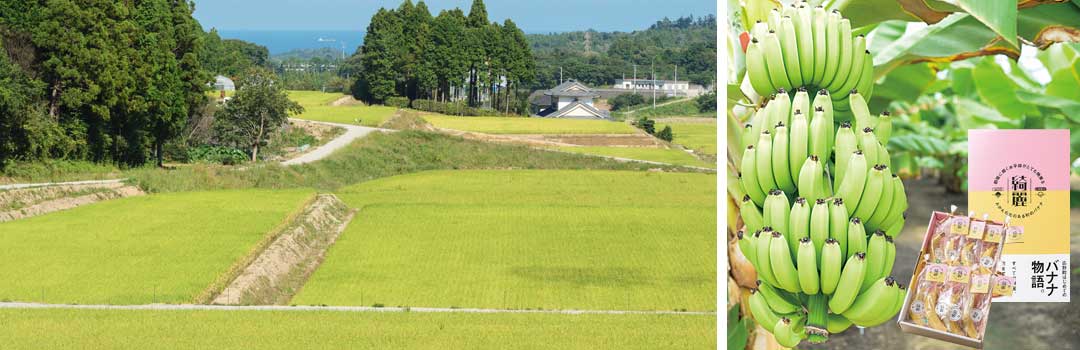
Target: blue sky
x=533, y=16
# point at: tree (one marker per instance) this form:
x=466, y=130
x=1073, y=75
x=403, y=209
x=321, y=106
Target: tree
x=259, y=108
x=382, y=47
x=665, y=134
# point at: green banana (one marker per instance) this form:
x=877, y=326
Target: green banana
x=785, y=334
x=760, y=309
x=776, y=300
x=762, y=244
x=857, y=57
x=875, y=259
x=869, y=145
x=846, y=144
x=884, y=128
x=824, y=101
x=751, y=215
x=861, y=111
x=749, y=176
x=848, y=287
x=900, y=204
x=899, y=294
x=790, y=50
x=781, y=109
x=866, y=81
x=798, y=224
x=773, y=18
x=832, y=48
x=782, y=265
x=805, y=36
x=764, y=162
x=819, y=16
x=884, y=205
x=800, y=102
x=799, y=141
x=756, y=69
x=819, y=224
x=883, y=155
x=844, y=66
x=837, y=324
x=851, y=190
x=875, y=181
x=774, y=60
x=746, y=246
x=896, y=227
x=808, y=267
x=856, y=238
x=873, y=301
x=776, y=211
x=819, y=134
x=748, y=136
x=810, y=179
x=832, y=261
x=758, y=29
x=781, y=170
x=838, y=224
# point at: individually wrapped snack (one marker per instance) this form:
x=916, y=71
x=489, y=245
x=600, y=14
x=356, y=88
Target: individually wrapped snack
x=951, y=299
x=977, y=306
x=930, y=282
x=988, y=248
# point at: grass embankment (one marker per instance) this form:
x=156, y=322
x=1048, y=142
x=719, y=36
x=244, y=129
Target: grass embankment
x=375, y=156
x=663, y=155
x=57, y=171
x=700, y=137
x=166, y=248
x=526, y=240
x=143, y=329
x=687, y=108
x=525, y=125
x=317, y=107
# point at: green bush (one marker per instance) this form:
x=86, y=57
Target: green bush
x=665, y=134
x=452, y=108
x=217, y=154
x=399, y=102
x=625, y=101
x=646, y=124
x=707, y=102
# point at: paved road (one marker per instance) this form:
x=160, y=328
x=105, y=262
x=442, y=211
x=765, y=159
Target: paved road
x=48, y=184
x=338, y=308
x=352, y=132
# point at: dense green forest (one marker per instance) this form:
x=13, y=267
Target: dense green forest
x=598, y=58
x=449, y=57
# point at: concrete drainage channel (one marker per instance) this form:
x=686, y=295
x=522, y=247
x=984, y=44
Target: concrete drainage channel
x=280, y=270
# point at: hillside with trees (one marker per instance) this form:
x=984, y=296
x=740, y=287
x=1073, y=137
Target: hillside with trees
x=451, y=57
x=598, y=58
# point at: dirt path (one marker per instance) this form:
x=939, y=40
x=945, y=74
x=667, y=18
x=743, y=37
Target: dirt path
x=300, y=308
x=28, y=200
x=281, y=269
x=352, y=132
x=1012, y=325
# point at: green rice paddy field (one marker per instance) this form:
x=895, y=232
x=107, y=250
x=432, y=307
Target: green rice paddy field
x=525, y=240
x=663, y=155
x=165, y=248
x=146, y=329
x=317, y=107
x=700, y=137
x=522, y=125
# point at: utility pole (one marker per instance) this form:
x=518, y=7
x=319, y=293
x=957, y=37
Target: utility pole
x=560, y=75
x=676, y=81
x=654, y=85
x=635, y=78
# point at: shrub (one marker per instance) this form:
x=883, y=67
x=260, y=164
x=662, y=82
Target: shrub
x=625, y=101
x=217, y=154
x=707, y=102
x=665, y=134
x=646, y=124
x=452, y=108
x=399, y=102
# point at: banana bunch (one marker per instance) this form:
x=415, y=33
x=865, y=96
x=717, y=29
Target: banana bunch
x=821, y=204
x=800, y=46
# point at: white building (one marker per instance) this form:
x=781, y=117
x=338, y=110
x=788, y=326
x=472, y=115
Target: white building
x=571, y=100
x=667, y=87
x=223, y=83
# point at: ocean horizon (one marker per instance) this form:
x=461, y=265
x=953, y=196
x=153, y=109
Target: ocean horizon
x=282, y=41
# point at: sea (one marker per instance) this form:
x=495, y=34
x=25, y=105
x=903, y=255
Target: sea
x=282, y=41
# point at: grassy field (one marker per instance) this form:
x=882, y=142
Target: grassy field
x=375, y=156
x=686, y=108
x=144, y=329
x=526, y=239
x=160, y=248
x=664, y=155
x=700, y=137
x=317, y=107
x=522, y=125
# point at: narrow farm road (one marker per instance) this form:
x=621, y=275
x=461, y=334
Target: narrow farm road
x=352, y=132
x=50, y=184
x=658, y=105
x=14, y=305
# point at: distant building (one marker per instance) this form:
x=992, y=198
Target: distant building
x=570, y=100
x=223, y=83
x=666, y=87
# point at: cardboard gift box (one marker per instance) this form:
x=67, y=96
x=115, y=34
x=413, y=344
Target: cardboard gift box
x=904, y=321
